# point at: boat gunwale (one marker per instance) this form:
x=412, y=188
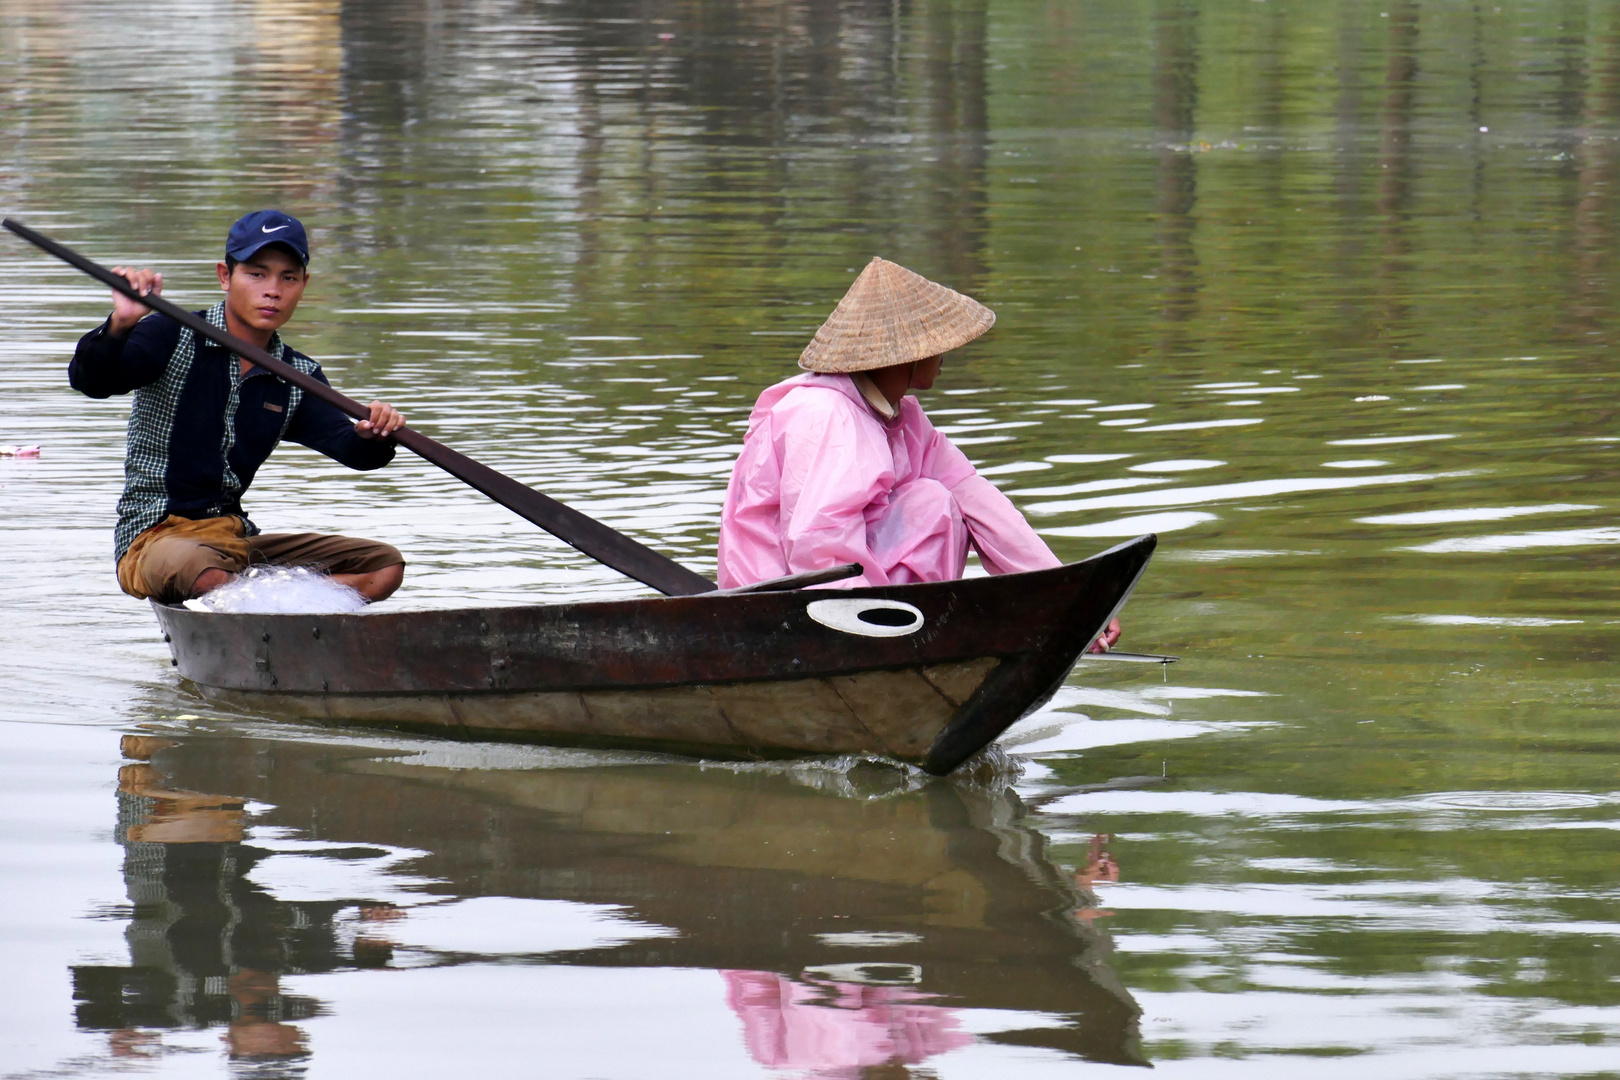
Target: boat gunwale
x=723, y=596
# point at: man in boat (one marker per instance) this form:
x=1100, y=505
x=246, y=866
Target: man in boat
x=841, y=465
x=204, y=420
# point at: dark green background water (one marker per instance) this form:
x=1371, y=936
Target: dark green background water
x=1322, y=293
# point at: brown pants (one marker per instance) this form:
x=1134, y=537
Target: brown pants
x=165, y=561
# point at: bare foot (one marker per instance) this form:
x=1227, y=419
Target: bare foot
x=209, y=580
x=375, y=586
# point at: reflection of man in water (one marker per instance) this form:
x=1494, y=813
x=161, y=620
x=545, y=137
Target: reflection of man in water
x=207, y=946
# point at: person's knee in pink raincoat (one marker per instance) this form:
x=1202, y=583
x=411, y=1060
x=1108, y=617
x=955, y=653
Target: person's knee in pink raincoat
x=841, y=465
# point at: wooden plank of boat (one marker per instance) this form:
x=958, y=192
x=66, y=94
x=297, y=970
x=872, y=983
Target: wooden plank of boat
x=926, y=673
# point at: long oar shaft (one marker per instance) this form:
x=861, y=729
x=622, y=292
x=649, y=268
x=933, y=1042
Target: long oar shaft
x=599, y=541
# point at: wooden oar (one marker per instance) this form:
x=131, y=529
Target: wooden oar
x=604, y=544
x=802, y=580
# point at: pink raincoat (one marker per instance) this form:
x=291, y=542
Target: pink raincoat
x=829, y=1028
x=824, y=480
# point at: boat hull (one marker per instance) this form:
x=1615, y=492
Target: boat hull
x=926, y=673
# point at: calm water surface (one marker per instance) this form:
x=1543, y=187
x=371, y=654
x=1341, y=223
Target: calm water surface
x=1322, y=293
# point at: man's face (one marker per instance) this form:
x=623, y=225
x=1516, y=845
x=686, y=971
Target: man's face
x=263, y=290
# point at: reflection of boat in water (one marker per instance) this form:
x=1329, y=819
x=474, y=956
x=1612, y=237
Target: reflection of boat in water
x=928, y=673
x=843, y=924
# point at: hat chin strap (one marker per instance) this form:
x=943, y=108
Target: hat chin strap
x=892, y=381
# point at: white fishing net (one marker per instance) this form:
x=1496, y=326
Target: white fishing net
x=280, y=590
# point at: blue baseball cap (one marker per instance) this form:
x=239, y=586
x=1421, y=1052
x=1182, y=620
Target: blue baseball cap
x=253, y=231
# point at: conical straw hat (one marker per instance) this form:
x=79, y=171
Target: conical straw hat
x=893, y=316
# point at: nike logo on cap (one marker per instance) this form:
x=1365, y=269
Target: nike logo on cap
x=266, y=228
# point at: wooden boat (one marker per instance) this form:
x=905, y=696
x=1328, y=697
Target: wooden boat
x=925, y=673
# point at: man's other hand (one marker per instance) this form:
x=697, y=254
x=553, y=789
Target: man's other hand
x=383, y=422
x=126, y=312
x=1105, y=641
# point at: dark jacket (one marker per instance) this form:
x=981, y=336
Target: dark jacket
x=198, y=432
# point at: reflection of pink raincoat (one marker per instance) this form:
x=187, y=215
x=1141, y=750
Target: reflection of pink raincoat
x=824, y=480
x=789, y=1025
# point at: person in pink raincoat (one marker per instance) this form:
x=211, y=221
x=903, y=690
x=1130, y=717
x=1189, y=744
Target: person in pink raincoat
x=841, y=465
x=836, y=1028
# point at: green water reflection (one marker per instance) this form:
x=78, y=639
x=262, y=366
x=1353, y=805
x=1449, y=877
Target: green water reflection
x=911, y=917
x=1321, y=293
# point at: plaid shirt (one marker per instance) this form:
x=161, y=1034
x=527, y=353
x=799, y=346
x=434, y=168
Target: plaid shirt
x=199, y=428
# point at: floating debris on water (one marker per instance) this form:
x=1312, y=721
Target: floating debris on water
x=19, y=451
x=280, y=590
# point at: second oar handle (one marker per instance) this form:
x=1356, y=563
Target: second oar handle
x=802, y=580
x=599, y=541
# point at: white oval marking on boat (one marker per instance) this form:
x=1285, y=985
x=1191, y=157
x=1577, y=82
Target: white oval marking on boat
x=866, y=616
x=870, y=974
